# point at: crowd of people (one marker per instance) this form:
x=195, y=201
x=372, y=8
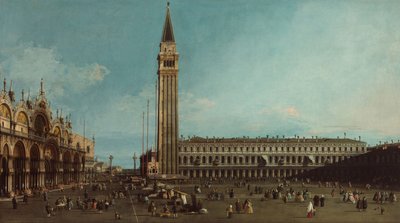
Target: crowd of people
x=169, y=207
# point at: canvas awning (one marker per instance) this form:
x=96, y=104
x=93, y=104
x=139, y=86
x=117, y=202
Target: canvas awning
x=265, y=157
x=311, y=158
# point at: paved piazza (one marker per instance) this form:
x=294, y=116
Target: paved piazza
x=264, y=211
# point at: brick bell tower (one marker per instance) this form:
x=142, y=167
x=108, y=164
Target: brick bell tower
x=167, y=134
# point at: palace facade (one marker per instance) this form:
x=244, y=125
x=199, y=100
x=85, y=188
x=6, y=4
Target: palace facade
x=37, y=148
x=261, y=157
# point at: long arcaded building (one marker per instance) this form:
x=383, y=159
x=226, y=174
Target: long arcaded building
x=261, y=157
x=38, y=149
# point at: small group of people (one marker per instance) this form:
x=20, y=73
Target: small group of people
x=350, y=197
x=64, y=202
x=362, y=204
x=230, y=192
x=165, y=211
x=99, y=187
x=382, y=197
x=319, y=200
x=15, y=202
x=328, y=184
x=246, y=207
x=118, y=194
x=258, y=190
x=214, y=195
x=240, y=183
x=291, y=195
x=93, y=204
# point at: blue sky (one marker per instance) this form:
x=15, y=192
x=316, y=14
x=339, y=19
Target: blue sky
x=247, y=68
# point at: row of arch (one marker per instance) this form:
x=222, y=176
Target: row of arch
x=40, y=125
x=329, y=149
x=241, y=173
x=238, y=160
x=38, y=166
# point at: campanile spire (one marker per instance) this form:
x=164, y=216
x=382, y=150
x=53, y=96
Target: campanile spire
x=168, y=31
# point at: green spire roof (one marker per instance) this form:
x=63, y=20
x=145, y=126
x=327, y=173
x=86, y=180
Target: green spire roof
x=168, y=32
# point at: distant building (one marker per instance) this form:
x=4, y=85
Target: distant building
x=38, y=149
x=149, y=163
x=116, y=169
x=261, y=157
x=88, y=145
x=100, y=167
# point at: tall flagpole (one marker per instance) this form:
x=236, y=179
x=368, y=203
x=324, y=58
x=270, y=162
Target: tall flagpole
x=147, y=135
x=142, y=165
x=84, y=137
x=147, y=130
x=84, y=134
x=155, y=120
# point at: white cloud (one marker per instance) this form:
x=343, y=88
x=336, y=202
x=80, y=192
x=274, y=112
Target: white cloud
x=292, y=112
x=126, y=112
x=204, y=103
x=194, y=109
x=27, y=64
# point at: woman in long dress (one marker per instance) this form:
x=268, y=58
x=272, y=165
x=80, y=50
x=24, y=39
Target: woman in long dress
x=310, y=210
x=250, y=208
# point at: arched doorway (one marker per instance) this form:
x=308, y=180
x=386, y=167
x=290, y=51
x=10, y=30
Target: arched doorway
x=67, y=167
x=77, y=168
x=83, y=167
x=19, y=166
x=50, y=164
x=34, y=167
x=4, y=172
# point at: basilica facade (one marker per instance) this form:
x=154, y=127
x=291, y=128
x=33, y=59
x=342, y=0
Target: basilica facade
x=262, y=157
x=38, y=149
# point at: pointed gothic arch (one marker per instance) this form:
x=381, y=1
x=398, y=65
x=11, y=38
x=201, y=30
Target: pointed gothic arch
x=4, y=171
x=19, y=158
x=34, y=179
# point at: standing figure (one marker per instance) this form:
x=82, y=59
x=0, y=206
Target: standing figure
x=238, y=206
x=364, y=203
x=85, y=194
x=175, y=211
x=231, y=193
x=322, y=200
x=250, y=208
x=45, y=196
x=310, y=210
x=152, y=208
x=25, y=199
x=229, y=211
x=14, y=202
x=359, y=205
x=316, y=201
x=49, y=209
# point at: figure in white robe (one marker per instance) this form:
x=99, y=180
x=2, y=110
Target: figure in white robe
x=310, y=210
